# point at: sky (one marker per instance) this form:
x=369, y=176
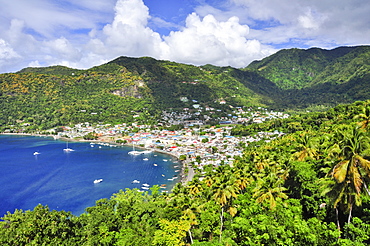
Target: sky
x=86, y=33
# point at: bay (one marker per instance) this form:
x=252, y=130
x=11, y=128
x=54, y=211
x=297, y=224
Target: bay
x=64, y=180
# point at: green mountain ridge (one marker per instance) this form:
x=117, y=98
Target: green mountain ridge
x=115, y=91
x=297, y=68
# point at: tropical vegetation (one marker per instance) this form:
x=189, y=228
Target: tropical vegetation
x=307, y=187
x=129, y=90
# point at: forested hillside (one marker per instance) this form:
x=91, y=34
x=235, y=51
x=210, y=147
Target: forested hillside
x=307, y=187
x=297, y=68
x=293, y=79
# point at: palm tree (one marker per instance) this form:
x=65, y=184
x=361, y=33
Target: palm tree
x=223, y=193
x=306, y=148
x=195, y=186
x=351, y=172
x=365, y=117
x=270, y=190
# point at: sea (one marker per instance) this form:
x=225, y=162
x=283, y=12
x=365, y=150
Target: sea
x=37, y=170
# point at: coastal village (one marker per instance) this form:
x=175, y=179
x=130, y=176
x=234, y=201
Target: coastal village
x=196, y=145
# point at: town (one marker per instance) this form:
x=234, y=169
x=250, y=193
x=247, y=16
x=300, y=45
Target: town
x=195, y=143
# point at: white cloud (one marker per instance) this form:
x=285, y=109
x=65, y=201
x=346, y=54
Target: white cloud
x=63, y=49
x=235, y=32
x=210, y=41
x=312, y=22
x=201, y=41
x=7, y=52
x=128, y=34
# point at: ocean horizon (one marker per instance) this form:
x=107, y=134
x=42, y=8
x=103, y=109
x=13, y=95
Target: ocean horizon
x=35, y=170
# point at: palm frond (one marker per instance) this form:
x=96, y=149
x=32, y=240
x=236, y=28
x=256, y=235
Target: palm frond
x=340, y=171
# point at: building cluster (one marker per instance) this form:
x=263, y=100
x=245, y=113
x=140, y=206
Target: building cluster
x=199, y=145
x=199, y=116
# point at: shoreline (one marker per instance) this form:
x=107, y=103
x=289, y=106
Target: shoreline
x=184, y=177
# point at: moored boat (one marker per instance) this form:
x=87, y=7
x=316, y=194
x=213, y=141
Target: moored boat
x=96, y=181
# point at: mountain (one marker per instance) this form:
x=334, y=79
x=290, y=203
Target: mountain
x=297, y=68
x=139, y=89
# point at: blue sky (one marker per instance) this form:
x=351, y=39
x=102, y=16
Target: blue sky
x=86, y=33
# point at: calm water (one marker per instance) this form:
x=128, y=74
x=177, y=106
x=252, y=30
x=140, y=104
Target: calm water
x=64, y=181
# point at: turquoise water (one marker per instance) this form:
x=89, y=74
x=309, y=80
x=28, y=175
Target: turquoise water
x=64, y=181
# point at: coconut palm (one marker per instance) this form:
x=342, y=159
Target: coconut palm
x=195, y=186
x=351, y=172
x=306, y=148
x=223, y=192
x=365, y=117
x=269, y=191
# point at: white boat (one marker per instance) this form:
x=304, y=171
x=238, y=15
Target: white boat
x=146, y=185
x=36, y=153
x=134, y=152
x=67, y=149
x=145, y=159
x=136, y=182
x=96, y=181
x=145, y=188
x=155, y=164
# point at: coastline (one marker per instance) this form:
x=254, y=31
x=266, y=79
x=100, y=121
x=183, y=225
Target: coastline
x=185, y=177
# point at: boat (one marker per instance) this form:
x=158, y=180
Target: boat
x=145, y=159
x=96, y=181
x=67, y=149
x=145, y=188
x=146, y=185
x=136, y=182
x=155, y=164
x=147, y=151
x=134, y=152
x=36, y=153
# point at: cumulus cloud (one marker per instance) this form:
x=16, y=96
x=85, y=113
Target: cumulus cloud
x=307, y=23
x=230, y=33
x=128, y=34
x=7, y=52
x=210, y=41
x=200, y=41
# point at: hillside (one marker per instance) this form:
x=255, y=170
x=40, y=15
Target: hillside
x=143, y=87
x=297, y=68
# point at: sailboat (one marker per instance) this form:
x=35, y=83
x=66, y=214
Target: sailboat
x=134, y=152
x=67, y=149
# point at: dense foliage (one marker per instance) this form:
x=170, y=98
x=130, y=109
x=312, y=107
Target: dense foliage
x=307, y=187
x=41, y=98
